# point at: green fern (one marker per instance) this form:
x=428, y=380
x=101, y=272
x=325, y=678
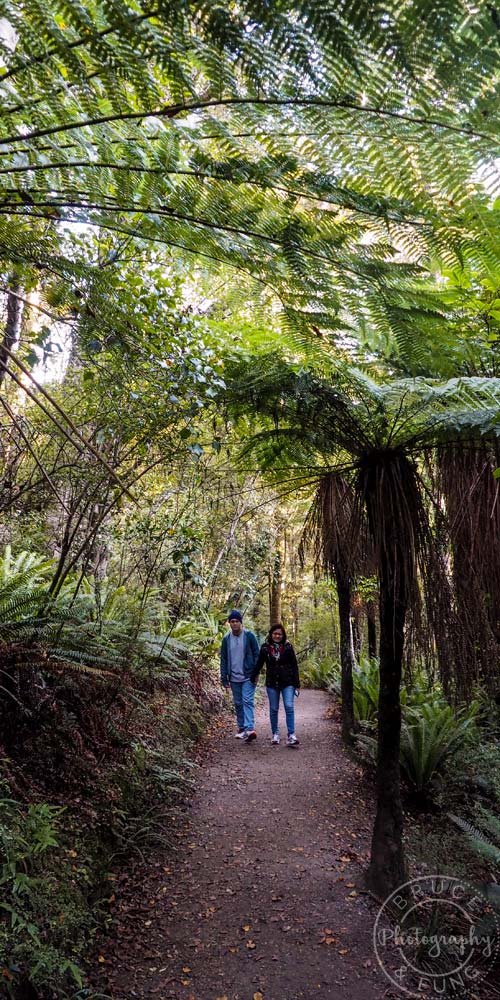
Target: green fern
x=429, y=734
x=483, y=839
x=306, y=152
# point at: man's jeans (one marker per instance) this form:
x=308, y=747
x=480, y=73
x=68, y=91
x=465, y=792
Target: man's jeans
x=243, y=696
x=274, y=703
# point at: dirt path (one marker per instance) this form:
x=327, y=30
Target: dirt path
x=264, y=894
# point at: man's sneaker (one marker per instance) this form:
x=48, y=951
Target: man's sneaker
x=240, y=735
x=250, y=736
x=276, y=739
x=292, y=740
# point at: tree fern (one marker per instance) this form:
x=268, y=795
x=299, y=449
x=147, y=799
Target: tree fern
x=181, y=126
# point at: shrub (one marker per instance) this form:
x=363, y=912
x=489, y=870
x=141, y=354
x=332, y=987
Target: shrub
x=366, y=682
x=319, y=674
x=483, y=838
x=44, y=921
x=430, y=733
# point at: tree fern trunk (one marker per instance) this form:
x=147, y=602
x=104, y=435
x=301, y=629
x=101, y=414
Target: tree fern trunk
x=387, y=864
x=371, y=629
x=398, y=526
x=347, y=660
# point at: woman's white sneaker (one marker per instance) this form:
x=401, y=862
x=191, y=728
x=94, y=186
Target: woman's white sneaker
x=292, y=740
x=276, y=739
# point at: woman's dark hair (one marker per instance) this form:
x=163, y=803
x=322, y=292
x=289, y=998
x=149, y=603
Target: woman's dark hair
x=272, y=629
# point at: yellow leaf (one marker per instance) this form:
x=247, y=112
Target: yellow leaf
x=186, y=968
x=258, y=996
x=251, y=944
x=101, y=959
x=246, y=927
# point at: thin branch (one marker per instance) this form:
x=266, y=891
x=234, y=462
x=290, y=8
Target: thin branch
x=8, y=409
x=386, y=214
x=33, y=305
x=172, y=110
x=86, y=443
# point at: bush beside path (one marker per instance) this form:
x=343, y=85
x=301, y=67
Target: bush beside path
x=263, y=896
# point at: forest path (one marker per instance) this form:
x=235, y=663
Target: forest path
x=264, y=894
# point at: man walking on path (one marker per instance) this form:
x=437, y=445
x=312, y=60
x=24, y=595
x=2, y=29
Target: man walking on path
x=238, y=656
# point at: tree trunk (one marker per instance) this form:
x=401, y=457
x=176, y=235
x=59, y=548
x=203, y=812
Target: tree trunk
x=357, y=638
x=372, y=629
x=397, y=523
x=12, y=329
x=387, y=865
x=275, y=589
x=347, y=660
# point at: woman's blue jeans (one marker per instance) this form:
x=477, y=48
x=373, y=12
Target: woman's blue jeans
x=274, y=703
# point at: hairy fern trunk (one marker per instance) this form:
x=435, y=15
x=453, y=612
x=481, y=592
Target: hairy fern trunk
x=387, y=865
x=390, y=487
x=346, y=653
x=371, y=629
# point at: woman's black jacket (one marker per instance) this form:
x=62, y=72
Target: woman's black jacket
x=279, y=673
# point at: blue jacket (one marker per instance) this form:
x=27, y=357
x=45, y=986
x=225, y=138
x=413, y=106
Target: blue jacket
x=250, y=656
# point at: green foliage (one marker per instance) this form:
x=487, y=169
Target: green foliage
x=238, y=146
x=318, y=673
x=45, y=922
x=431, y=732
x=366, y=682
x=484, y=836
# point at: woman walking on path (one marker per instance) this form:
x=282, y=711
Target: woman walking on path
x=282, y=677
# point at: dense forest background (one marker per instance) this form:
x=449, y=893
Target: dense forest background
x=250, y=317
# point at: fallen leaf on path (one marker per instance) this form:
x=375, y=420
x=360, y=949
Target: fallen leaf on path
x=258, y=996
x=251, y=944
